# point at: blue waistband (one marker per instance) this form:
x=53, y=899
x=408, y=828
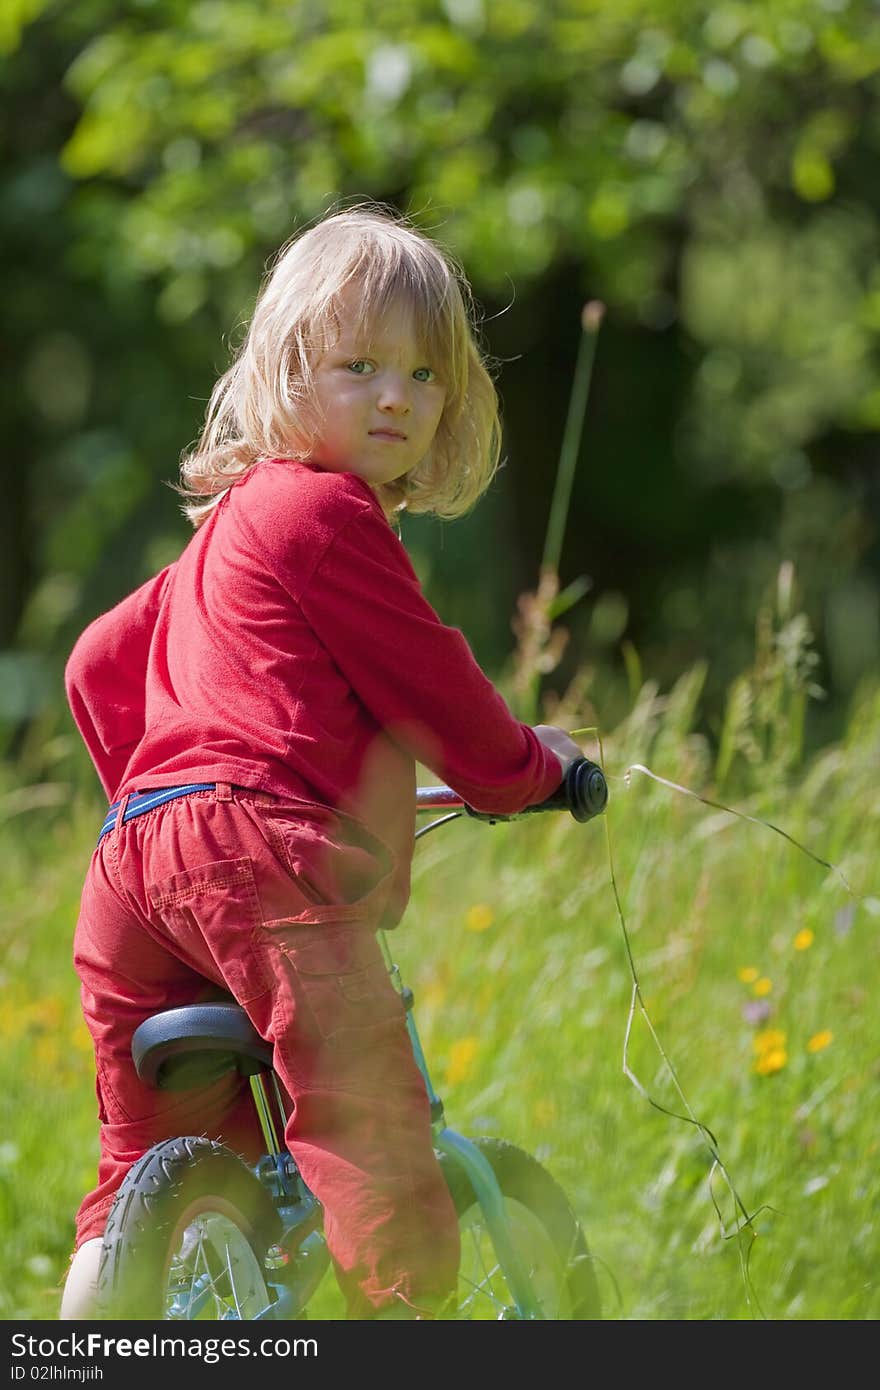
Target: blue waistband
x=147, y=801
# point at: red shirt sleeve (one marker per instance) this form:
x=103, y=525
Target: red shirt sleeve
x=105, y=679
x=417, y=677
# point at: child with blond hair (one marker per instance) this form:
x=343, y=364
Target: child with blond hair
x=255, y=713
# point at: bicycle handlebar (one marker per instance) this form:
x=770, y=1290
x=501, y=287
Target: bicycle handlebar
x=583, y=792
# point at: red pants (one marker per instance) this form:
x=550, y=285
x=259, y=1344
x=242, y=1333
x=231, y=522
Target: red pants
x=276, y=904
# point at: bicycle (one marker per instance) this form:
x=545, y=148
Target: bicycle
x=195, y=1233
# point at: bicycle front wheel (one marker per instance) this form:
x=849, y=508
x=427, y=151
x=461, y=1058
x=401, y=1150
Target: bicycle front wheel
x=187, y=1237
x=544, y=1230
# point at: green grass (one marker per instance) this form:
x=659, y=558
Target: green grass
x=516, y=953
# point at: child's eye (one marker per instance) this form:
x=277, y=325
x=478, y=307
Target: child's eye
x=424, y=374
x=360, y=366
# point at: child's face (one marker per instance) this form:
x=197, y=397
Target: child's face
x=380, y=400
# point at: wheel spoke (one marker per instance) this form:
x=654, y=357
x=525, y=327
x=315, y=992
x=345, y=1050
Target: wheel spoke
x=477, y=1290
x=482, y=1282
x=235, y=1301
x=214, y=1274
x=209, y=1286
x=483, y=1286
x=198, y=1279
x=478, y=1245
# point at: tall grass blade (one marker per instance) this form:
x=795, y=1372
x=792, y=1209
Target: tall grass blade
x=591, y=320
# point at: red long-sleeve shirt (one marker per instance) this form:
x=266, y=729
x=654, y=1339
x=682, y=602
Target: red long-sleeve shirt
x=290, y=649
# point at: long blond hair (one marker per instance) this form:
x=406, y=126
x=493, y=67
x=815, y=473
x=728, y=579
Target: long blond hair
x=263, y=406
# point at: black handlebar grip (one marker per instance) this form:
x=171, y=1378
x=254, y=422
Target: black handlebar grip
x=583, y=791
x=587, y=789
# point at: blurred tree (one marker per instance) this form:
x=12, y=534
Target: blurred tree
x=705, y=169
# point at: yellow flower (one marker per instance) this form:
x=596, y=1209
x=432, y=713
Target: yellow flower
x=479, y=917
x=804, y=939
x=461, y=1060
x=820, y=1040
x=770, y=1040
x=774, y=1059
x=770, y=1048
x=748, y=974
x=763, y=986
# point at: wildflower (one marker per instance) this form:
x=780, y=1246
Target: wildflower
x=748, y=974
x=769, y=1045
x=461, y=1061
x=756, y=1010
x=763, y=986
x=773, y=1060
x=804, y=939
x=819, y=1041
x=479, y=917
x=770, y=1040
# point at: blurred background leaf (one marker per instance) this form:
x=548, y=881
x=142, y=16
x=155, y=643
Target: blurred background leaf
x=707, y=171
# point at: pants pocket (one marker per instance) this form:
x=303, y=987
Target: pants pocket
x=212, y=915
x=341, y=987
x=339, y=870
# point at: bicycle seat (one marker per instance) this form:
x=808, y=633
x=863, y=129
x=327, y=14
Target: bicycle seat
x=193, y=1046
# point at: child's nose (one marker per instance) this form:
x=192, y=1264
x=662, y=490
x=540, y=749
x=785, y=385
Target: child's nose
x=394, y=393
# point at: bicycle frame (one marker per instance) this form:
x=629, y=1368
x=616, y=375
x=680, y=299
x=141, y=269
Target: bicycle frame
x=449, y=1141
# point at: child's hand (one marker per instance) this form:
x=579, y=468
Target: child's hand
x=558, y=741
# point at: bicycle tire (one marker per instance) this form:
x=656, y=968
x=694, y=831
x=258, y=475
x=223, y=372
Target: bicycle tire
x=186, y=1238
x=545, y=1230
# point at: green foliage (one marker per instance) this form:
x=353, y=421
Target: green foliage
x=237, y=119
x=15, y=15
x=706, y=170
